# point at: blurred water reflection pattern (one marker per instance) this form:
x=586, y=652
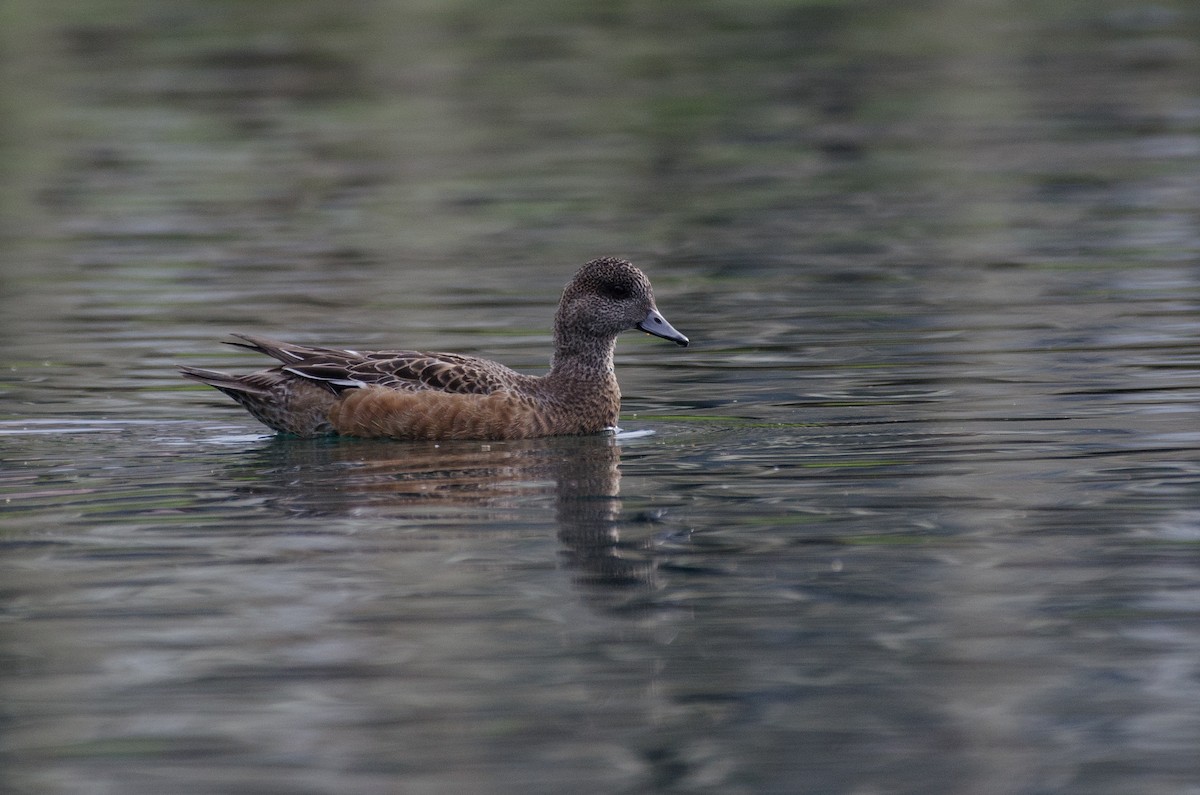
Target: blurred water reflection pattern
x=916, y=513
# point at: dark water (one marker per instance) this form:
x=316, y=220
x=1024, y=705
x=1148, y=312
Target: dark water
x=917, y=512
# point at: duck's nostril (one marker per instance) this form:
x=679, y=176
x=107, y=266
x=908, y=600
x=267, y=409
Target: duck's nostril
x=659, y=326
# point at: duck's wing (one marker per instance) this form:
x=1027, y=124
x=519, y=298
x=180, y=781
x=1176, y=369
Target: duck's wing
x=409, y=371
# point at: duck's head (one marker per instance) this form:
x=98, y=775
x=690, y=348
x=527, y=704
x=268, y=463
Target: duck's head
x=608, y=296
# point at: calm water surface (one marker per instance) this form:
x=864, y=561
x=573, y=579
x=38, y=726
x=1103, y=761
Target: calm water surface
x=917, y=512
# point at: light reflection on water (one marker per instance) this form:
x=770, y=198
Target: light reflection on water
x=916, y=512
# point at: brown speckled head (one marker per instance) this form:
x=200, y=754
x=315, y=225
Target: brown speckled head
x=607, y=296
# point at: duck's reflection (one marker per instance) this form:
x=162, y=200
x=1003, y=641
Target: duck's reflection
x=495, y=480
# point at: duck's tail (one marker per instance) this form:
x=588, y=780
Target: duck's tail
x=277, y=399
x=236, y=386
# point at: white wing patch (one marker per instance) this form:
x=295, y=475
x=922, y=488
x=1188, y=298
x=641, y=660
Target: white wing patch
x=346, y=382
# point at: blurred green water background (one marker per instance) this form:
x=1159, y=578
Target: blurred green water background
x=784, y=131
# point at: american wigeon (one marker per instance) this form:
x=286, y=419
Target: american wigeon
x=417, y=395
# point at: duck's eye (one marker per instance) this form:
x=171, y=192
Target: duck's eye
x=617, y=292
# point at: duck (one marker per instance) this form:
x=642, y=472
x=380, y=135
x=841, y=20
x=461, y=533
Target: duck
x=419, y=395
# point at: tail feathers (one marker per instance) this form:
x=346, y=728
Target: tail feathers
x=273, y=348
x=284, y=352
x=276, y=399
x=231, y=385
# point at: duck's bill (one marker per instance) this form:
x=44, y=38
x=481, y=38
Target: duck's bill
x=657, y=325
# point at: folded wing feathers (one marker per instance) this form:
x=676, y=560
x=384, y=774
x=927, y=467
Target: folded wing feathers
x=403, y=370
x=338, y=369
